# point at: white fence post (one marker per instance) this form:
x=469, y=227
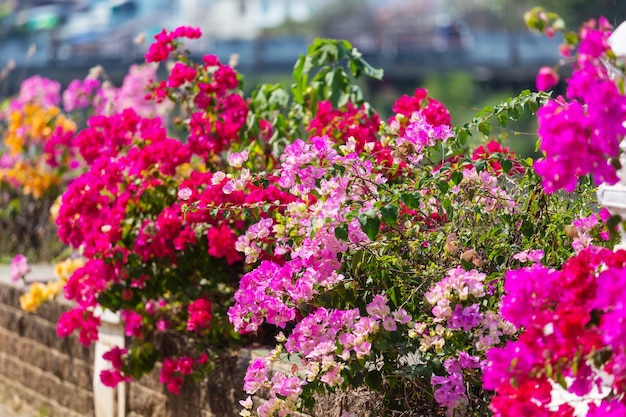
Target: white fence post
x=613, y=197
x=108, y=402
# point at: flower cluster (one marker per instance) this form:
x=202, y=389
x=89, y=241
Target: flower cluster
x=571, y=317
x=174, y=370
x=19, y=267
x=166, y=42
x=459, y=311
x=375, y=254
x=39, y=153
x=326, y=342
x=273, y=290
x=165, y=259
x=37, y=89
x=450, y=392
x=38, y=292
x=580, y=133
x=493, y=148
x=112, y=377
x=571, y=332
x=40, y=156
x=340, y=316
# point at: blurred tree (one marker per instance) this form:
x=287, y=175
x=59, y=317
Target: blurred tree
x=508, y=13
x=575, y=12
x=351, y=13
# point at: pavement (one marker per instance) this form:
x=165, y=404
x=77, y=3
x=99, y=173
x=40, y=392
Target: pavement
x=12, y=405
x=38, y=273
x=19, y=411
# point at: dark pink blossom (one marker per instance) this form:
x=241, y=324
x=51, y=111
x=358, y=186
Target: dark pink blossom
x=546, y=78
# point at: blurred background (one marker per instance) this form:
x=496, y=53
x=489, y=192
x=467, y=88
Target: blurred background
x=468, y=53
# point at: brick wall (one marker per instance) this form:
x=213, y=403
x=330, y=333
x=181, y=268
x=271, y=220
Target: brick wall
x=46, y=371
x=218, y=396
x=55, y=374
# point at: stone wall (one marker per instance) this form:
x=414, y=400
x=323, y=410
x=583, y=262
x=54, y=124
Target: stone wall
x=55, y=374
x=218, y=396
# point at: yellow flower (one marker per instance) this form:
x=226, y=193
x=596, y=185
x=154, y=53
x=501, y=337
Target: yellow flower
x=39, y=293
x=56, y=287
x=55, y=208
x=31, y=301
x=51, y=290
x=34, y=181
x=29, y=128
x=63, y=270
x=66, y=124
x=28, y=303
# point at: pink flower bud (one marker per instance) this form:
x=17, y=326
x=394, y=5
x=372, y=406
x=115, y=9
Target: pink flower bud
x=565, y=50
x=546, y=78
x=184, y=193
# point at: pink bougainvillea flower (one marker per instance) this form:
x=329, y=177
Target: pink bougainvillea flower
x=19, y=267
x=199, y=315
x=185, y=193
x=546, y=78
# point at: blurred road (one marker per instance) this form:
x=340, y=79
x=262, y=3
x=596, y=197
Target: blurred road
x=13, y=406
x=11, y=412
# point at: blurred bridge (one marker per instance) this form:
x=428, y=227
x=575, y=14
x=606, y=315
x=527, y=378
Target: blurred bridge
x=492, y=57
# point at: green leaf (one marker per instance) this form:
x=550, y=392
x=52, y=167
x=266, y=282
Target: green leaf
x=412, y=200
x=338, y=82
x=355, y=70
x=443, y=186
x=560, y=378
x=301, y=76
x=447, y=205
x=370, y=224
x=480, y=165
x=506, y=164
x=356, y=378
x=613, y=221
x=389, y=214
x=484, y=128
x=393, y=295
x=107, y=301
x=328, y=52
x=528, y=229
x=513, y=113
x=141, y=359
x=341, y=232
x=374, y=380
x=456, y=177
x=338, y=168
x=462, y=135
x=502, y=119
x=612, y=224
x=381, y=344
x=571, y=38
x=309, y=402
x=370, y=71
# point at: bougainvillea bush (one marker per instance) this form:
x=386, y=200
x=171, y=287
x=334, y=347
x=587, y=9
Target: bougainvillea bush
x=572, y=318
x=35, y=163
x=369, y=254
x=38, y=156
